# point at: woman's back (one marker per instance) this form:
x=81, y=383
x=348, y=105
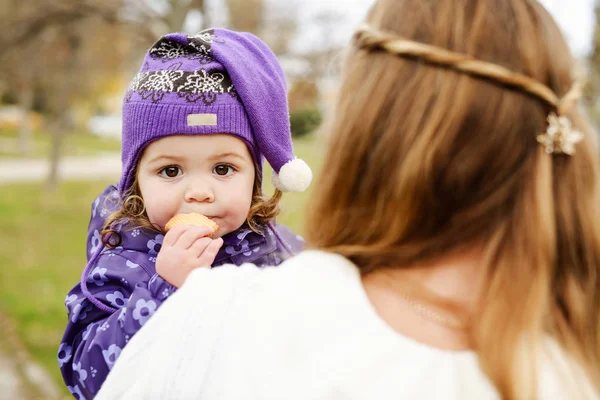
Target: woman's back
x=304, y=330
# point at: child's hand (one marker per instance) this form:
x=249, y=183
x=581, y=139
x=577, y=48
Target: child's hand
x=184, y=249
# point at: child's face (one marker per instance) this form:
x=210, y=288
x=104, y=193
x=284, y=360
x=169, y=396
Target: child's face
x=208, y=174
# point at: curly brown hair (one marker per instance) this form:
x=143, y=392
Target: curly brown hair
x=133, y=213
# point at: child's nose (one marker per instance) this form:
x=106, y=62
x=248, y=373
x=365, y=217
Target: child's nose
x=199, y=192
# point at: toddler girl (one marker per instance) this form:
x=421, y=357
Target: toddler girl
x=198, y=119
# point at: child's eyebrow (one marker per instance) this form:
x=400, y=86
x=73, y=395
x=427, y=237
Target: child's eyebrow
x=214, y=157
x=226, y=154
x=164, y=157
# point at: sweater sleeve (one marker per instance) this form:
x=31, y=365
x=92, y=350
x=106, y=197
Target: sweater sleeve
x=172, y=338
x=94, y=337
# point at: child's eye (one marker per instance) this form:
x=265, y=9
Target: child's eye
x=170, y=172
x=223, y=170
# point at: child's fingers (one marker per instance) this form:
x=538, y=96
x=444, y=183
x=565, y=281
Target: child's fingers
x=200, y=245
x=174, y=234
x=191, y=235
x=209, y=254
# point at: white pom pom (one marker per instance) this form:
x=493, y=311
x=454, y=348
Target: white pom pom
x=294, y=176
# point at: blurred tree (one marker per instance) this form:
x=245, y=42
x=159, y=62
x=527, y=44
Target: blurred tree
x=179, y=11
x=78, y=65
x=47, y=48
x=17, y=75
x=246, y=15
x=303, y=94
x=58, y=53
x=323, y=59
x=158, y=17
x=305, y=121
x=593, y=89
x=274, y=22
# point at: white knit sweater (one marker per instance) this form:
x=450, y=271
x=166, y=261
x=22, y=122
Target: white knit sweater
x=304, y=330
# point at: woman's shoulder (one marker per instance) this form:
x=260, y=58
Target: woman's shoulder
x=312, y=268
x=309, y=264
x=308, y=285
x=309, y=270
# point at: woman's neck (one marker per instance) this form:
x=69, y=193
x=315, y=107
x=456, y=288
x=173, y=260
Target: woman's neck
x=455, y=279
x=409, y=298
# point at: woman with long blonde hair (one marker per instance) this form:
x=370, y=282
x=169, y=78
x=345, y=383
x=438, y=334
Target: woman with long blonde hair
x=454, y=225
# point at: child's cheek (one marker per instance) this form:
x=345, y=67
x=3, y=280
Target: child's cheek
x=235, y=213
x=156, y=214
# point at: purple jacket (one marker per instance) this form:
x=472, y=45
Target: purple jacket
x=121, y=290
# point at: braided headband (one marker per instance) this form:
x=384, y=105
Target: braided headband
x=559, y=138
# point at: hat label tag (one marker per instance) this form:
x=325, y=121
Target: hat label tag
x=202, y=119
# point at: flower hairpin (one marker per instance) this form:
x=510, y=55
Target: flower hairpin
x=560, y=137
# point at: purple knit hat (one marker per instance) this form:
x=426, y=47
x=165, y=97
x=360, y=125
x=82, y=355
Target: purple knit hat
x=217, y=81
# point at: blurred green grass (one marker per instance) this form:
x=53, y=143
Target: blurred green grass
x=42, y=251
x=76, y=144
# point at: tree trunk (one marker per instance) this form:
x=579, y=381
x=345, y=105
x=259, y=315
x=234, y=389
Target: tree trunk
x=593, y=89
x=57, y=133
x=25, y=128
x=176, y=18
x=245, y=15
x=62, y=111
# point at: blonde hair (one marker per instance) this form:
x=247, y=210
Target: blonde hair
x=132, y=213
x=426, y=157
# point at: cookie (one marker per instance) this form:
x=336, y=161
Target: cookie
x=192, y=219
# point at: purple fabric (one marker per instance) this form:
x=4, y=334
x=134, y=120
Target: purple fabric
x=233, y=75
x=264, y=96
x=125, y=283
x=83, y=282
